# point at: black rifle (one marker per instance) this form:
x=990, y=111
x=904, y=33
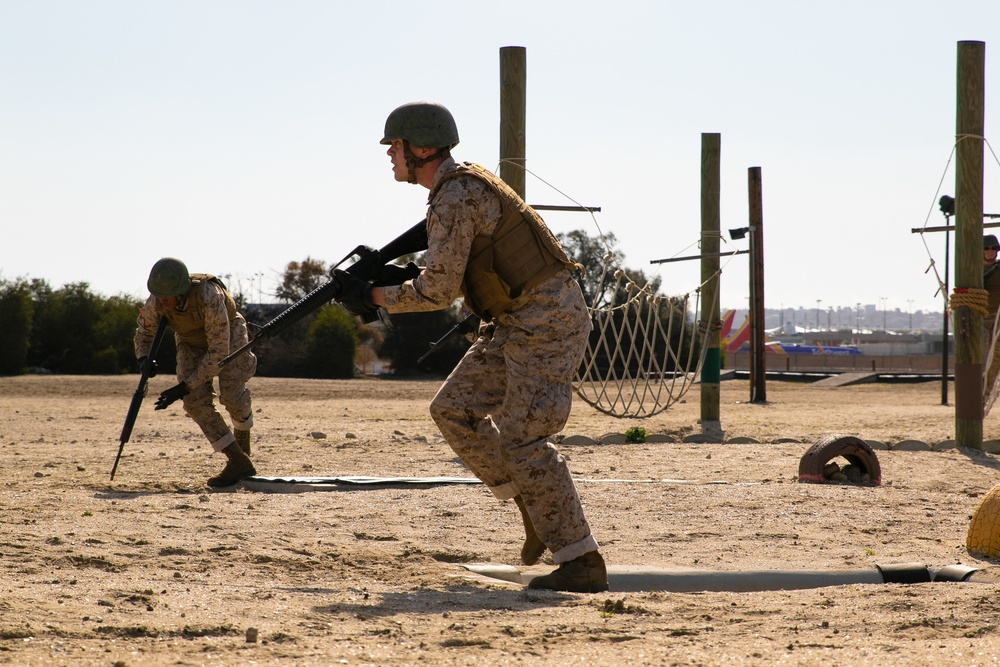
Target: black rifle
x=468, y=325
x=140, y=391
x=368, y=267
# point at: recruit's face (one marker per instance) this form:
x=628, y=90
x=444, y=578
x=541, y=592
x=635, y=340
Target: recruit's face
x=395, y=153
x=990, y=255
x=168, y=302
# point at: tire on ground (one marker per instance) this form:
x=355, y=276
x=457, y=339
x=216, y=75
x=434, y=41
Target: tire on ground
x=829, y=447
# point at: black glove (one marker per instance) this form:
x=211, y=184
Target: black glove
x=170, y=395
x=394, y=274
x=152, y=366
x=355, y=294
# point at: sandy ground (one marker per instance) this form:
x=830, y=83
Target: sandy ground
x=156, y=569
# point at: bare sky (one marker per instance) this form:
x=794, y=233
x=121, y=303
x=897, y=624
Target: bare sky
x=242, y=135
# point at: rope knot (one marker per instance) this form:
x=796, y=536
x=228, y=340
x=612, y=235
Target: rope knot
x=968, y=297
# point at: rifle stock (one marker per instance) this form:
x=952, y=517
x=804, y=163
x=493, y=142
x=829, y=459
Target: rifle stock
x=140, y=391
x=368, y=264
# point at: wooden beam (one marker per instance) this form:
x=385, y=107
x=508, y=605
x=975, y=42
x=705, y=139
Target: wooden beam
x=513, y=111
x=969, y=242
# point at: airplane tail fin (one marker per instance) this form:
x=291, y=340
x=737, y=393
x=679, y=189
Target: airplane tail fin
x=740, y=336
x=727, y=324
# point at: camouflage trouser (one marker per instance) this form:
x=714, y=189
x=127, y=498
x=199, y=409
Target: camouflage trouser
x=233, y=395
x=993, y=365
x=497, y=410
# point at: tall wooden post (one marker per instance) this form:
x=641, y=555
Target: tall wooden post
x=513, y=110
x=968, y=242
x=758, y=368
x=711, y=146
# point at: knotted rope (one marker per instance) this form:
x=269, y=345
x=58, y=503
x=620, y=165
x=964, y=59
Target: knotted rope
x=968, y=297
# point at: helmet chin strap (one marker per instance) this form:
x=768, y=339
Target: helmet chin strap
x=413, y=162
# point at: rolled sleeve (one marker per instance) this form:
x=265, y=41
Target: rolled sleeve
x=145, y=329
x=463, y=208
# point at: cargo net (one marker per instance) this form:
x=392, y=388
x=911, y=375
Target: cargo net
x=643, y=355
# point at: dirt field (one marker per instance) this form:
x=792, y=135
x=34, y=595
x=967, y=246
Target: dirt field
x=156, y=569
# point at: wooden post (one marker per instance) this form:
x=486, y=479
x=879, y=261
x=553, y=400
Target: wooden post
x=758, y=368
x=513, y=109
x=711, y=145
x=969, y=243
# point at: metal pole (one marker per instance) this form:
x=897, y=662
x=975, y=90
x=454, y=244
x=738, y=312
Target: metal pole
x=944, y=325
x=758, y=370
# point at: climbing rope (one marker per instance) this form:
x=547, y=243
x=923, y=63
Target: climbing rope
x=933, y=264
x=976, y=299
x=967, y=297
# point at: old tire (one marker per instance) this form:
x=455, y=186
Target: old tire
x=829, y=447
x=984, y=528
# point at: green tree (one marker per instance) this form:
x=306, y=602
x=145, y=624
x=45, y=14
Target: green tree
x=16, y=312
x=76, y=331
x=331, y=342
x=601, y=288
x=114, y=333
x=62, y=341
x=300, y=278
x=590, y=251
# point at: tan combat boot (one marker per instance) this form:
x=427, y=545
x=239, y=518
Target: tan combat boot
x=586, y=574
x=239, y=466
x=533, y=547
x=243, y=439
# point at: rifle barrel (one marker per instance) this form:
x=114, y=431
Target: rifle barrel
x=140, y=392
x=410, y=241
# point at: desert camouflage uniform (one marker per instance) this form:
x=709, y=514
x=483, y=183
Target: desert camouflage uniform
x=513, y=388
x=205, y=334
x=991, y=283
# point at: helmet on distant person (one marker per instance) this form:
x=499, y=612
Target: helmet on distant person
x=423, y=124
x=168, y=277
x=990, y=241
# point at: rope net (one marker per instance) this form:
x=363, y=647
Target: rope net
x=643, y=355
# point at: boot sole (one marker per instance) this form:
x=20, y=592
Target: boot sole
x=590, y=589
x=217, y=483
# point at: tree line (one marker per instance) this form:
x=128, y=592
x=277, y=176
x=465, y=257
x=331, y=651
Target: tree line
x=72, y=330
x=75, y=331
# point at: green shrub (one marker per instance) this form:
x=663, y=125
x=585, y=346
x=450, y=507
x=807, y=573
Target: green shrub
x=331, y=341
x=635, y=434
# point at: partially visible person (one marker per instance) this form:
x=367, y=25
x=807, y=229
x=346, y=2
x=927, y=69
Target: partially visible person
x=206, y=325
x=512, y=391
x=991, y=283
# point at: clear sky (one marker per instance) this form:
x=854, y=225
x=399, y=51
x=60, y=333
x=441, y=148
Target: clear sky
x=242, y=135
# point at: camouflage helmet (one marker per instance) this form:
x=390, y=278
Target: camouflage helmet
x=423, y=124
x=168, y=277
x=990, y=241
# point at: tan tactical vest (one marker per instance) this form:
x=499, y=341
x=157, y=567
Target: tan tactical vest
x=189, y=323
x=519, y=254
